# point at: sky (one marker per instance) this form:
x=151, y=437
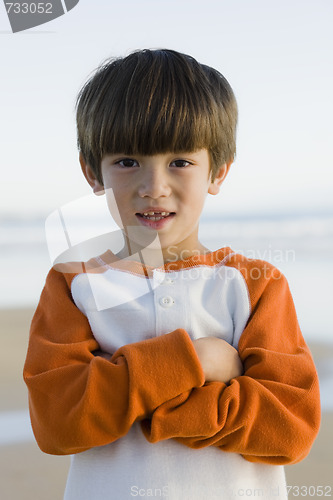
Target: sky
x=277, y=56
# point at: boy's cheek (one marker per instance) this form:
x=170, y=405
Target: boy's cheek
x=113, y=206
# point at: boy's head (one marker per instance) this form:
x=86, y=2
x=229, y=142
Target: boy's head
x=156, y=101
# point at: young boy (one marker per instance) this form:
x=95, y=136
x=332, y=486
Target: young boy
x=184, y=376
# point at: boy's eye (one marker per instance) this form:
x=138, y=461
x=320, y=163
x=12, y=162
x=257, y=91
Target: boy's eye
x=180, y=163
x=127, y=162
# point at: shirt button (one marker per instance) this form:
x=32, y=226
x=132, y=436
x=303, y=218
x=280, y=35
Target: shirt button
x=167, y=281
x=166, y=301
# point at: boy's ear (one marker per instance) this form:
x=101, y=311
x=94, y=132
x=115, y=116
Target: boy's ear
x=90, y=176
x=214, y=187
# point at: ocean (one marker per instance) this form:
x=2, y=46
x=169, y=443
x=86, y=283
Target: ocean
x=301, y=246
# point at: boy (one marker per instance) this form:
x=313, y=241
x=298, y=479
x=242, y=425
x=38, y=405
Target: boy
x=187, y=378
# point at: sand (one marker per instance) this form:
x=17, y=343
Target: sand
x=28, y=474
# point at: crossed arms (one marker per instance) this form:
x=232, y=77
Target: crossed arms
x=193, y=391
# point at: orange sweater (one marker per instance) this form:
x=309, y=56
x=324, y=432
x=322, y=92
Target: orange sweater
x=78, y=400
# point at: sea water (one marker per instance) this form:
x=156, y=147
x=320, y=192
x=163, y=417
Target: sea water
x=300, y=245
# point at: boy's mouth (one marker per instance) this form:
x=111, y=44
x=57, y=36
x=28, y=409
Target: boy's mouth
x=155, y=215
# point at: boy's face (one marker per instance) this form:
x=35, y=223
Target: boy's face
x=163, y=194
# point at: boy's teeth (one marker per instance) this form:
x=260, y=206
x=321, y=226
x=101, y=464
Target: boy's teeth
x=158, y=214
x=155, y=216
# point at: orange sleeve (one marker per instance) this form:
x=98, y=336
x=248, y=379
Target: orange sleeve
x=271, y=414
x=78, y=400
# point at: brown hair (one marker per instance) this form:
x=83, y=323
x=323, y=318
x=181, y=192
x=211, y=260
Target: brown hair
x=155, y=101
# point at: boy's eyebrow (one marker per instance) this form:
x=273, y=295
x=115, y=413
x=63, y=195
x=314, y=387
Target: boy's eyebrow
x=189, y=157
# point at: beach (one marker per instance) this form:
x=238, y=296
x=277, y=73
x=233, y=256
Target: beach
x=28, y=474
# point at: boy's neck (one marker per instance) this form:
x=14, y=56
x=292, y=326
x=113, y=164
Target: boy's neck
x=154, y=256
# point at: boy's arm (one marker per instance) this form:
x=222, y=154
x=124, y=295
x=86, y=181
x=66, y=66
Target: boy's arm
x=271, y=414
x=79, y=400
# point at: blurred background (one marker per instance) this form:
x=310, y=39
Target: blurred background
x=276, y=203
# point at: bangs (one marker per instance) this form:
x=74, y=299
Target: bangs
x=153, y=102
x=157, y=112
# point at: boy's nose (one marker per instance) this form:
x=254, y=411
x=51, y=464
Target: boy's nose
x=154, y=185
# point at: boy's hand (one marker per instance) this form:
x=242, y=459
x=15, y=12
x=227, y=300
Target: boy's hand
x=219, y=360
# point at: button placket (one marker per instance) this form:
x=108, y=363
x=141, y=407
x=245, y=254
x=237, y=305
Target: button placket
x=168, y=298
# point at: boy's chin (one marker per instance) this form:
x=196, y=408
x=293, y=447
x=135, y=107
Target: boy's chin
x=142, y=236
